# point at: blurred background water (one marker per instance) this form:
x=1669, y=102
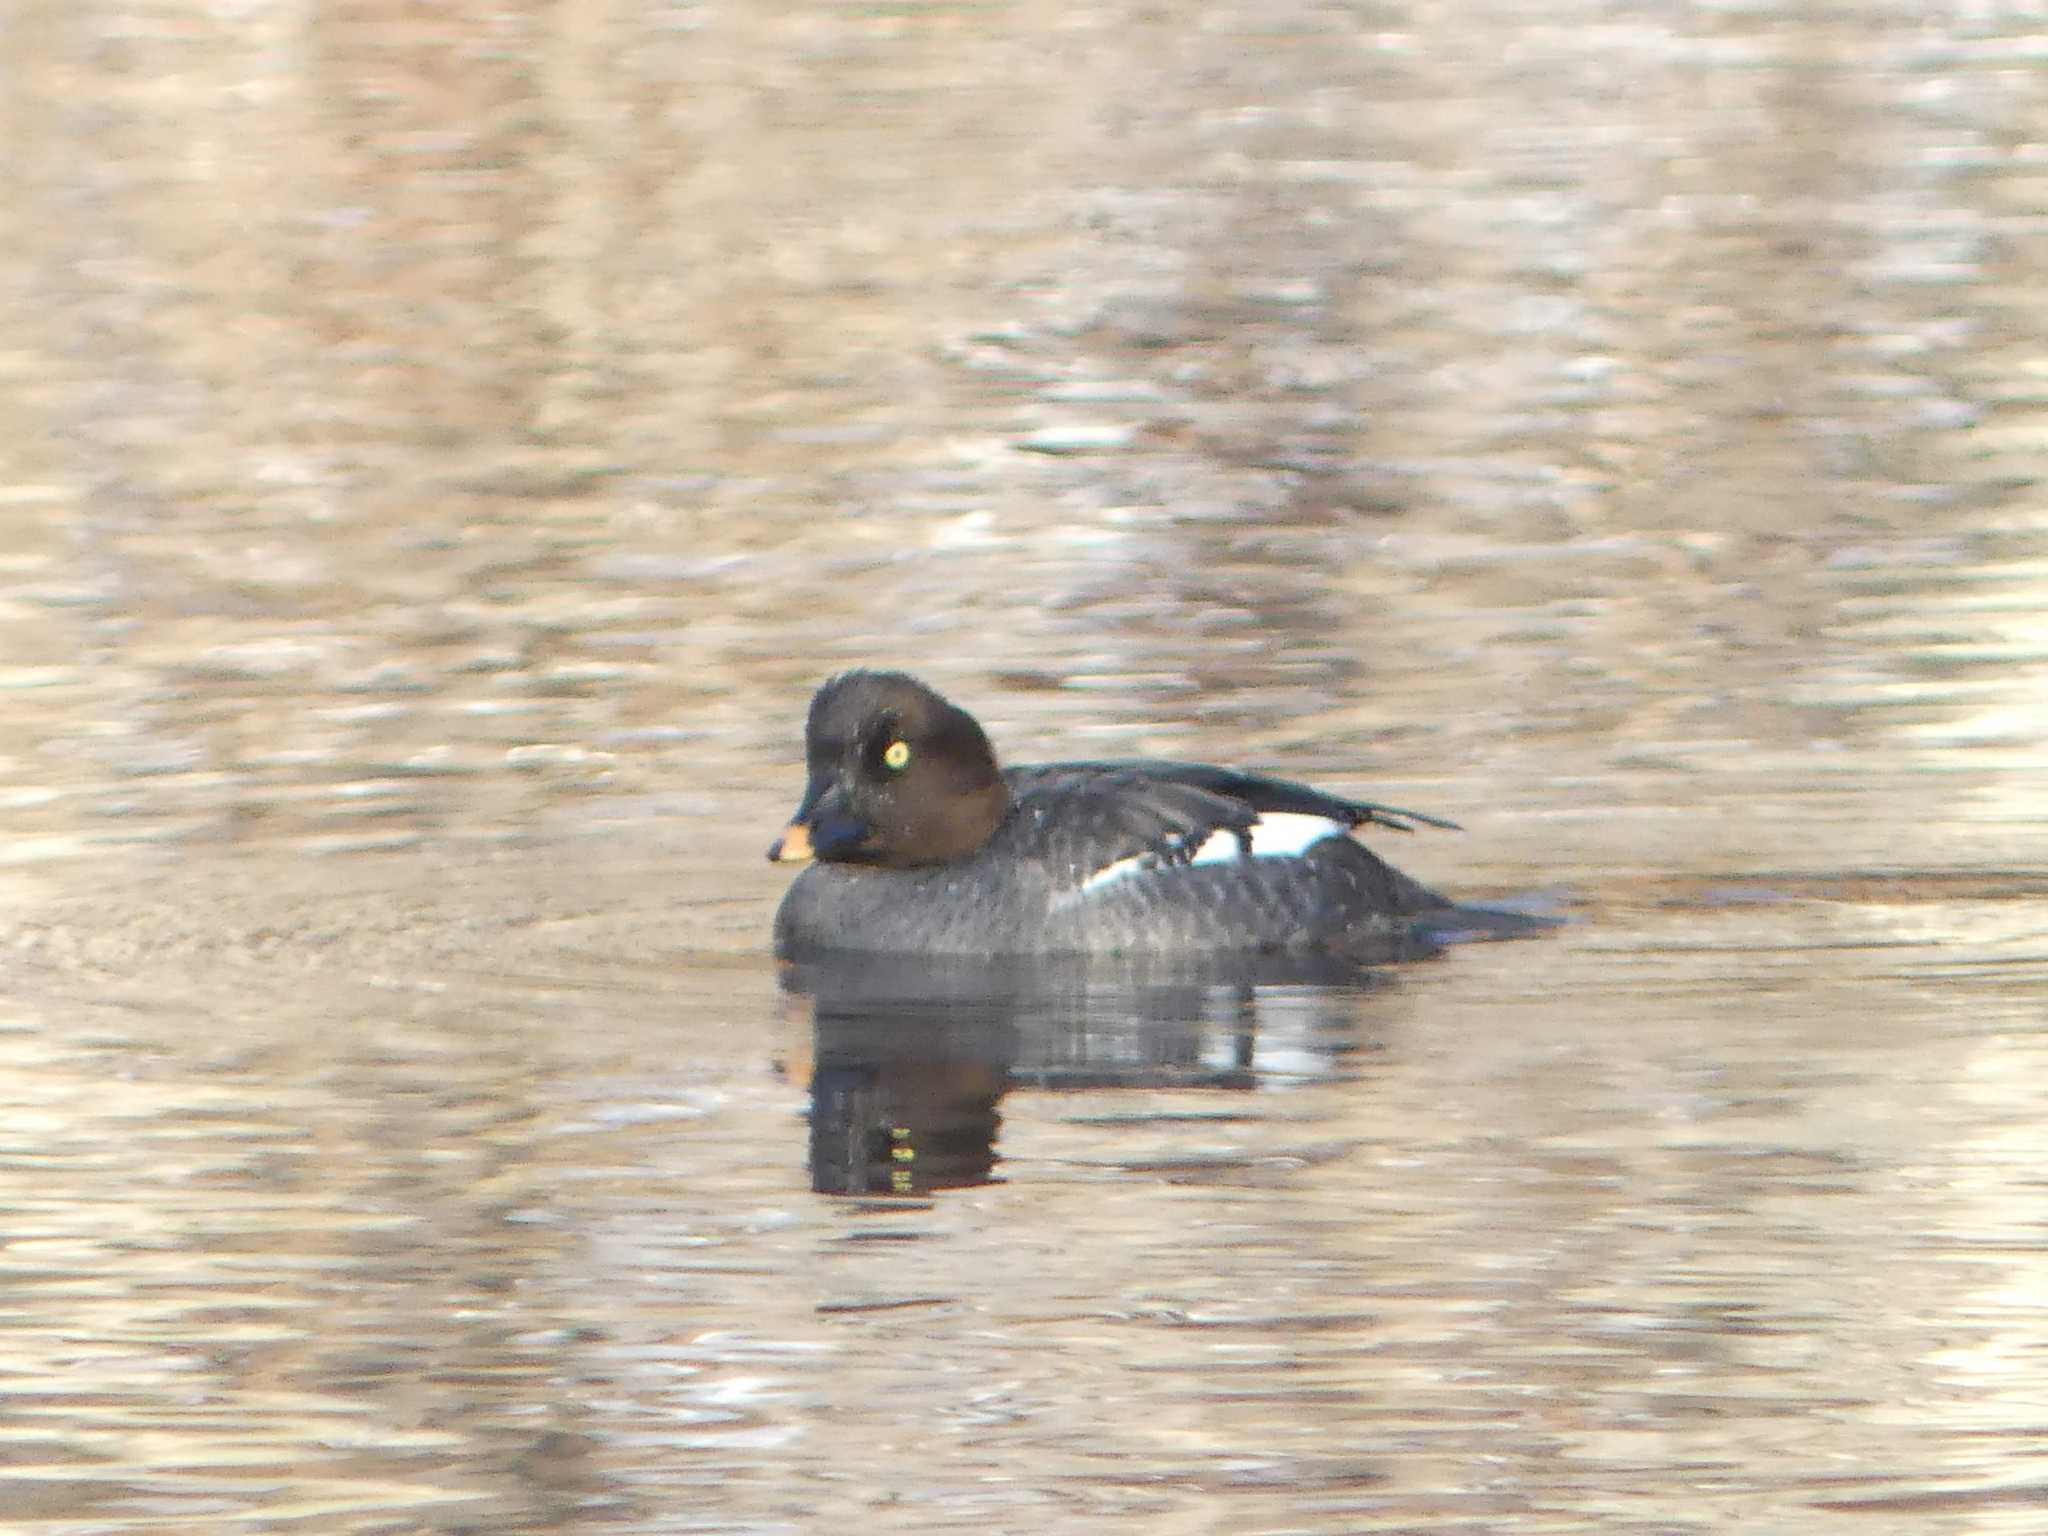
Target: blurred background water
x=441, y=446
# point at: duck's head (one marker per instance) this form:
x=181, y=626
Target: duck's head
x=898, y=777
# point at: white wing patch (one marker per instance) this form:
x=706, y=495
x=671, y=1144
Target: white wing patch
x=1277, y=835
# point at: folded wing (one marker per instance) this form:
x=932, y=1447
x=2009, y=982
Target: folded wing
x=1109, y=820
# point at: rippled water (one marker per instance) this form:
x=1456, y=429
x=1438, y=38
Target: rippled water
x=441, y=447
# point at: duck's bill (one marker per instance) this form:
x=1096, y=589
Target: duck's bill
x=822, y=828
x=821, y=832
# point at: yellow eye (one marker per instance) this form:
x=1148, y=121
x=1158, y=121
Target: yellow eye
x=896, y=754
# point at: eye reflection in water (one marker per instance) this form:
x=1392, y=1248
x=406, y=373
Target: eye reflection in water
x=910, y=1058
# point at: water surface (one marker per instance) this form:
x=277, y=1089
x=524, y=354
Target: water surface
x=440, y=449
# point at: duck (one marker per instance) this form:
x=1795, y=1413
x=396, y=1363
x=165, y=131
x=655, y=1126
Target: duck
x=917, y=842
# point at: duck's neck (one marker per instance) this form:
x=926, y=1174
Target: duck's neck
x=961, y=826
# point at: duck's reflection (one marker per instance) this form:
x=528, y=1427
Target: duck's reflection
x=910, y=1059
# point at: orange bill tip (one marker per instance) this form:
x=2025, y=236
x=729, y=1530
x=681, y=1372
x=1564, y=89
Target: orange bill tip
x=793, y=847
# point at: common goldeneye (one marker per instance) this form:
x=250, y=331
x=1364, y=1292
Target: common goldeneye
x=923, y=846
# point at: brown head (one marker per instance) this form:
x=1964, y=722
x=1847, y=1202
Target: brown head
x=898, y=777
